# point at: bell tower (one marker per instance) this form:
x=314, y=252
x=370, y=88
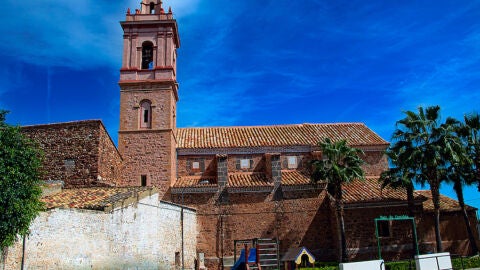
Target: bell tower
x=148, y=96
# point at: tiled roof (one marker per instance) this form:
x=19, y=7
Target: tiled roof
x=248, y=180
x=370, y=191
x=446, y=203
x=294, y=177
x=356, y=134
x=92, y=198
x=194, y=180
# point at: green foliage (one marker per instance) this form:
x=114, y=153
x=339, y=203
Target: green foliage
x=340, y=164
x=467, y=263
x=402, y=265
x=457, y=263
x=423, y=148
x=19, y=183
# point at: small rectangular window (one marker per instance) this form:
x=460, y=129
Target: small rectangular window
x=292, y=162
x=143, y=180
x=384, y=228
x=69, y=164
x=245, y=163
x=196, y=165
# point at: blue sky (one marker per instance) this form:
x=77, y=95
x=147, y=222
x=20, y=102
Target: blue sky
x=245, y=63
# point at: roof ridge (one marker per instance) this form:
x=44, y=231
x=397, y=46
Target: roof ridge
x=65, y=123
x=278, y=125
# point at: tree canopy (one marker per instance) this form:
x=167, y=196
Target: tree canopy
x=20, y=191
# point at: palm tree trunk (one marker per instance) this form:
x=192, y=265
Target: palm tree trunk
x=457, y=186
x=410, y=200
x=343, y=242
x=411, y=213
x=434, y=188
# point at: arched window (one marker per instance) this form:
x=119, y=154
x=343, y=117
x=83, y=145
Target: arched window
x=152, y=8
x=147, y=55
x=145, y=114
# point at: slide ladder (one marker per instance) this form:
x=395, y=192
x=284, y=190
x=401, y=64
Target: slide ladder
x=268, y=250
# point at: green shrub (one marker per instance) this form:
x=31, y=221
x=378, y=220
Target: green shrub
x=470, y=262
x=403, y=265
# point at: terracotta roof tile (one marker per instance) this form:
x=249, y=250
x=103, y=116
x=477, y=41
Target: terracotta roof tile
x=294, y=177
x=370, y=191
x=195, y=181
x=248, y=180
x=90, y=198
x=446, y=203
x=356, y=134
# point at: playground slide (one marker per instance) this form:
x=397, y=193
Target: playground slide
x=240, y=263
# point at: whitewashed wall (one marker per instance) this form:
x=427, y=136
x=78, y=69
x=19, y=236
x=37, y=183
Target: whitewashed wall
x=145, y=235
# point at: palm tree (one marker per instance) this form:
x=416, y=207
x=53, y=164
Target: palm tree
x=468, y=171
x=460, y=175
x=340, y=164
x=426, y=147
x=470, y=132
x=400, y=177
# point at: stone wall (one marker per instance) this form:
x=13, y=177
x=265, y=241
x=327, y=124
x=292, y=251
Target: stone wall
x=147, y=153
x=73, y=153
x=109, y=160
x=147, y=235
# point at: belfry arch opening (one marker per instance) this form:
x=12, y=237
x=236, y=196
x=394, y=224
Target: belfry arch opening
x=147, y=55
x=152, y=8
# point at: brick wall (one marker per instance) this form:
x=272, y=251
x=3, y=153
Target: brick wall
x=146, y=235
x=452, y=229
x=73, y=152
x=375, y=163
x=300, y=220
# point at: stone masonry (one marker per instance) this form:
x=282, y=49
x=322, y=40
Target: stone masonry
x=81, y=154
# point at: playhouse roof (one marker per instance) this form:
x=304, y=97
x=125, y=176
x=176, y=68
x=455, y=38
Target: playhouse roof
x=295, y=254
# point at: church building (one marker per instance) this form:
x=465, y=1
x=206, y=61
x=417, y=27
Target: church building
x=241, y=185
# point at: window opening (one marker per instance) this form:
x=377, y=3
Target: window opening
x=177, y=259
x=152, y=8
x=146, y=114
x=245, y=163
x=384, y=228
x=143, y=180
x=292, y=162
x=147, y=55
x=196, y=165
